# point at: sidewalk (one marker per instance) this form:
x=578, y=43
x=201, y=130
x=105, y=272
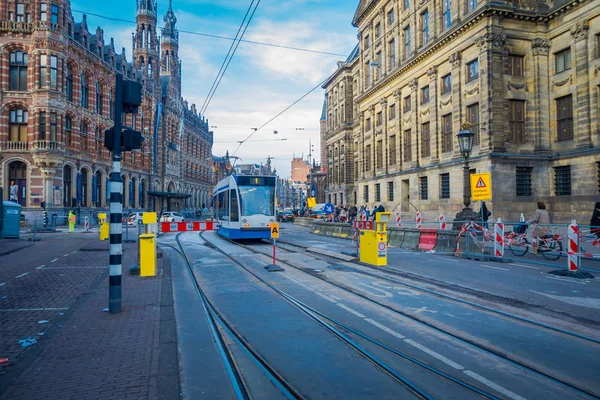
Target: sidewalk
x=76, y=350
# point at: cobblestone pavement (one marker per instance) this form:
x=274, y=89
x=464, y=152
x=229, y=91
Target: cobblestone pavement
x=82, y=352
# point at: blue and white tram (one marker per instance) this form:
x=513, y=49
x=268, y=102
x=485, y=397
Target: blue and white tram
x=245, y=206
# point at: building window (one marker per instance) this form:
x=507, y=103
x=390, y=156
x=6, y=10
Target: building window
x=366, y=194
x=69, y=84
x=20, y=12
x=368, y=158
x=368, y=124
x=377, y=192
x=425, y=141
x=406, y=4
x=515, y=65
x=367, y=42
x=18, y=71
x=392, y=46
x=425, y=94
x=523, y=177
x=564, y=117
x=368, y=74
x=84, y=138
x=43, y=12
x=379, y=65
x=54, y=10
x=42, y=121
x=444, y=186
x=392, y=112
x=424, y=192
x=99, y=99
x=471, y=4
x=111, y=104
x=18, y=125
x=43, y=65
x=68, y=131
x=53, y=72
x=407, y=146
x=84, y=91
x=392, y=150
x=390, y=187
x=562, y=180
x=379, y=118
x=517, y=121
x=53, y=126
x=377, y=31
x=473, y=119
x=598, y=175
x=446, y=83
x=598, y=45
x=447, y=133
x=425, y=25
x=390, y=17
x=446, y=16
x=472, y=70
x=407, y=42
x=406, y=104
x=379, y=154
x=563, y=60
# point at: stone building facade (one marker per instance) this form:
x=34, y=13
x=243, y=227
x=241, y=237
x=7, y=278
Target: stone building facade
x=57, y=99
x=524, y=74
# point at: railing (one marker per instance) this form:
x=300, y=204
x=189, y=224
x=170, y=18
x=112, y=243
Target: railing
x=14, y=146
x=48, y=145
x=45, y=25
x=16, y=26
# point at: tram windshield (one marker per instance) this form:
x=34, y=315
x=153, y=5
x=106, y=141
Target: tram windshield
x=257, y=200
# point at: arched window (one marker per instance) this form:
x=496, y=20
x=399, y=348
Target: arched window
x=68, y=131
x=67, y=184
x=99, y=99
x=69, y=83
x=18, y=125
x=111, y=103
x=84, y=138
x=167, y=61
x=84, y=187
x=149, y=68
x=18, y=71
x=84, y=91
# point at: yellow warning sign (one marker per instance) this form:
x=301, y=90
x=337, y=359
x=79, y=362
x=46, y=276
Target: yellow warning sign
x=274, y=230
x=481, y=186
x=311, y=202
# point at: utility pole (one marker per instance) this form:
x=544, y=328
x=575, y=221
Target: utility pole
x=128, y=96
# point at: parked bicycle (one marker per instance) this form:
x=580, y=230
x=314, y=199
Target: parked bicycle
x=519, y=242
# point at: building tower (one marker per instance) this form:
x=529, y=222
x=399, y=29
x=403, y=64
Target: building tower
x=170, y=64
x=145, y=44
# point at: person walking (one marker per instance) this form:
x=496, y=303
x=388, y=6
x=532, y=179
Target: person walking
x=71, y=221
x=485, y=214
x=14, y=192
x=595, y=221
x=541, y=218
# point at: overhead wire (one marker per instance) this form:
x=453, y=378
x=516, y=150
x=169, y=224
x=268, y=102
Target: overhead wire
x=233, y=44
x=281, y=46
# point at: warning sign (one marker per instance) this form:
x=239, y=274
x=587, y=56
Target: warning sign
x=481, y=186
x=274, y=230
x=381, y=249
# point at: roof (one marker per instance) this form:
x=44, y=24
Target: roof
x=362, y=7
x=354, y=54
x=324, y=112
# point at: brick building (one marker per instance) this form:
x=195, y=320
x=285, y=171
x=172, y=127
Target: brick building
x=57, y=92
x=523, y=73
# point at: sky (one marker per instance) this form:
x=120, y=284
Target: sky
x=260, y=81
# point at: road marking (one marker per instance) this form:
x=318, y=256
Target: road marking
x=434, y=354
x=487, y=266
x=447, y=259
x=558, y=278
x=350, y=310
x=74, y=252
x=494, y=386
x=55, y=260
x=384, y=328
x=33, y=309
x=335, y=297
x=326, y=297
x=524, y=266
x=22, y=275
x=589, y=302
x=66, y=255
x=41, y=266
x=2, y=283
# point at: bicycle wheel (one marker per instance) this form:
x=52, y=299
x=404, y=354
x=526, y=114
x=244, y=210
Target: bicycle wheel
x=552, y=250
x=519, y=246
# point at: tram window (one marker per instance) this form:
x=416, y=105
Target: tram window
x=223, y=206
x=234, y=214
x=257, y=200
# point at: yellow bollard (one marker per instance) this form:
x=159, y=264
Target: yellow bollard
x=104, y=226
x=373, y=243
x=147, y=254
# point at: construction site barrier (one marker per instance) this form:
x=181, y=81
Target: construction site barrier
x=411, y=238
x=427, y=239
x=395, y=237
x=446, y=241
x=186, y=226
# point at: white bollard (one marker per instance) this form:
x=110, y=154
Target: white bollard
x=418, y=220
x=442, y=222
x=86, y=224
x=573, y=247
x=398, y=219
x=499, y=238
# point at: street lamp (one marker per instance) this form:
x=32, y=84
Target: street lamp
x=465, y=141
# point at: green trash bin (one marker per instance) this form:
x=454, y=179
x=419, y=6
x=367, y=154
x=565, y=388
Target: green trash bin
x=11, y=220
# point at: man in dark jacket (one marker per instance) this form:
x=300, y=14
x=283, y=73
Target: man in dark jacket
x=595, y=221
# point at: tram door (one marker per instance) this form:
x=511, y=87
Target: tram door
x=235, y=211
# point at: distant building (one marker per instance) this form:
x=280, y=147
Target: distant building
x=300, y=169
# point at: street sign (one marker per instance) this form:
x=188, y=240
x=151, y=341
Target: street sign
x=313, y=190
x=328, y=209
x=311, y=202
x=481, y=186
x=381, y=249
x=274, y=230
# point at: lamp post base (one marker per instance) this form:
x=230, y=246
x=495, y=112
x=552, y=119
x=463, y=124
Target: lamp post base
x=466, y=214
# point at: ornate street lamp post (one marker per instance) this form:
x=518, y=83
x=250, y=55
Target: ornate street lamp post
x=465, y=141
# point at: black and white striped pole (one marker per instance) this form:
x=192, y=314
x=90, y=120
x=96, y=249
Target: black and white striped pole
x=128, y=97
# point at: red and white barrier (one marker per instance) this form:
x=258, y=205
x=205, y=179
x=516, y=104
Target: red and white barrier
x=418, y=220
x=573, y=247
x=187, y=226
x=366, y=225
x=442, y=222
x=363, y=216
x=499, y=239
x=86, y=224
x=399, y=219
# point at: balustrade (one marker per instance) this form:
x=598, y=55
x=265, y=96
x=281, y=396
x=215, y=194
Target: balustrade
x=14, y=146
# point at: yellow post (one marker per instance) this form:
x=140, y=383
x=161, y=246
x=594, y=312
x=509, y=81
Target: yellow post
x=147, y=254
x=104, y=226
x=373, y=244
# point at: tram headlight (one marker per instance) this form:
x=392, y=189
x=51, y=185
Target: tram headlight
x=246, y=225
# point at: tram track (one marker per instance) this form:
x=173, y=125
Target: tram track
x=468, y=341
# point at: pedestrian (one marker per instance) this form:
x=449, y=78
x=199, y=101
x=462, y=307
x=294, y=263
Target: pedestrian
x=595, y=221
x=71, y=221
x=367, y=213
x=14, y=191
x=541, y=218
x=485, y=214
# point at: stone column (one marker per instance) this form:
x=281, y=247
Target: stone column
x=48, y=181
x=384, y=139
x=581, y=105
x=434, y=136
x=456, y=60
x=414, y=122
x=362, y=147
x=541, y=90
x=399, y=137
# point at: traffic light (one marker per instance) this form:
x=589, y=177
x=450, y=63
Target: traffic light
x=128, y=102
x=109, y=137
x=131, y=139
x=132, y=97
x=45, y=219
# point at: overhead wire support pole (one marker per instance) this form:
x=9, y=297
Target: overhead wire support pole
x=116, y=209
